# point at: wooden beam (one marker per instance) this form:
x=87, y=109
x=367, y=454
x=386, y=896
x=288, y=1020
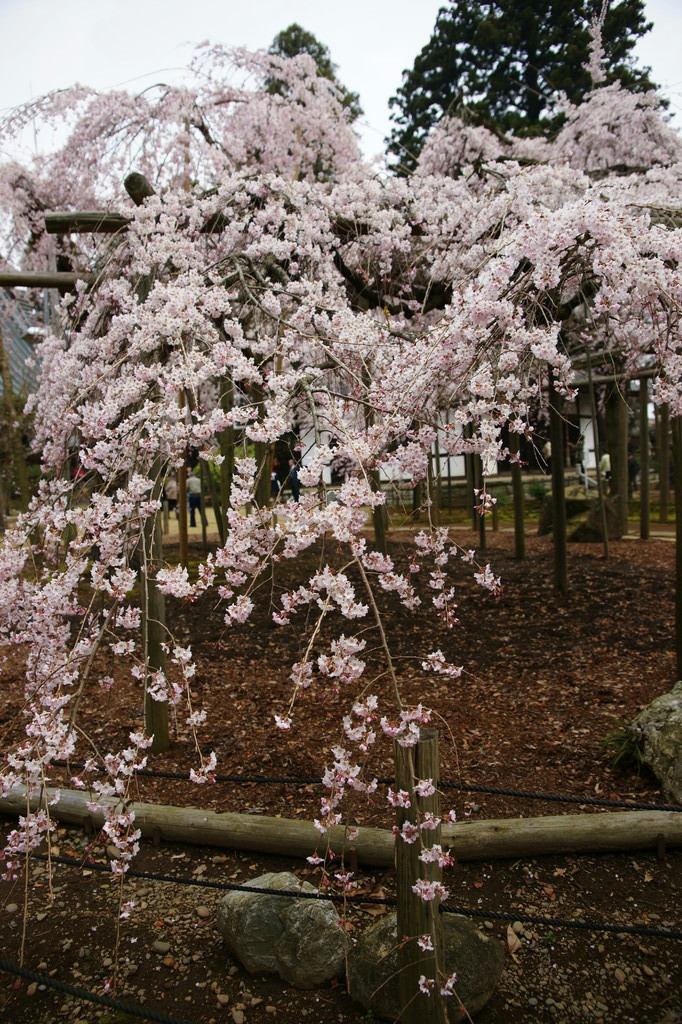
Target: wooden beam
x=415, y=915
x=61, y=222
x=43, y=279
x=607, y=832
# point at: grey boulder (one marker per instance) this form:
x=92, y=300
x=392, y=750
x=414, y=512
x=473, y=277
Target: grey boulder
x=373, y=967
x=301, y=940
x=658, y=731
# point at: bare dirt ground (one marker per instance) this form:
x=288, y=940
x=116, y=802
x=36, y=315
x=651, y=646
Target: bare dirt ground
x=547, y=679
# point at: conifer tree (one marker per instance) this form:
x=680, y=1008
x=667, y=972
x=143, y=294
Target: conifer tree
x=505, y=61
x=294, y=40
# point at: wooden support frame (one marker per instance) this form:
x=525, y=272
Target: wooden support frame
x=44, y=279
x=63, y=222
x=606, y=832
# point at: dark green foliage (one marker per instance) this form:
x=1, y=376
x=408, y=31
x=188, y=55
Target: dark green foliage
x=504, y=61
x=294, y=40
x=624, y=750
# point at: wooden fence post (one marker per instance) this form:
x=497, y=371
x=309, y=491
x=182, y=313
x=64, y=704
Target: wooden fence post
x=644, y=511
x=559, y=530
x=662, y=442
x=519, y=499
x=415, y=916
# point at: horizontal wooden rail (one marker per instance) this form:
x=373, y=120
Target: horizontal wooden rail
x=61, y=222
x=43, y=279
x=608, y=832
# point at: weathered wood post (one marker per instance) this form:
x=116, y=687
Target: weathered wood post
x=676, y=427
x=415, y=916
x=139, y=189
x=597, y=454
x=519, y=499
x=155, y=635
x=13, y=430
x=662, y=441
x=616, y=422
x=644, y=512
x=559, y=530
x=478, y=486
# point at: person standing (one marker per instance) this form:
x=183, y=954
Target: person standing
x=194, y=498
x=170, y=493
x=294, y=482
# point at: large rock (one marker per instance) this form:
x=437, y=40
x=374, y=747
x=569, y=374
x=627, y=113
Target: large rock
x=658, y=731
x=373, y=967
x=299, y=939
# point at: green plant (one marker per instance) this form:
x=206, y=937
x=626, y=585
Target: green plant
x=622, y=746
x=537, y=489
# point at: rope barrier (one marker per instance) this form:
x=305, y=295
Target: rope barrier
x=90, y=997
x=348, y=897
x=525, y=794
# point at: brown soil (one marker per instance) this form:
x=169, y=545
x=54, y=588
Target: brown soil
x=547, y=678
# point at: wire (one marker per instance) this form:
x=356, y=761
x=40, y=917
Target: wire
x=526, y=794
x=348, y=897
x=91, y=997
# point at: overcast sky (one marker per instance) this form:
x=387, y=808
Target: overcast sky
x=50, y=44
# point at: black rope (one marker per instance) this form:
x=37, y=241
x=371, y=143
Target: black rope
x=348, y=897
x=558, y=798
x=90, y=997
x=526, y=794
x=590, y=926
x=204, y=883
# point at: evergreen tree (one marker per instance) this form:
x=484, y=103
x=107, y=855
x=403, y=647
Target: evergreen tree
x=506, y=60
x=294, y=40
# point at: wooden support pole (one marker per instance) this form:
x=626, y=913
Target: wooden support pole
x=226, y=440
x=417, y=917
x=13, y=430
x=608, y=832
x=617, y=412
x=597, y=455
x=676, y=429
x=43, y=279
x=519, y=499
x=478, y=485
x=63, y=222
x=559, y=531
x=202, y=507
x=153, y=604
x=183, y=528
x=139, y=189
x=662, y=441
x=435, y=483
x=644, y=510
